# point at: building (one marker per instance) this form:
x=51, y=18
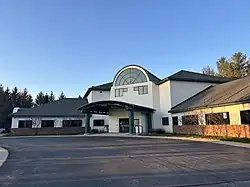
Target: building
x=136, y=100
x=225, y=105
x=58, y=117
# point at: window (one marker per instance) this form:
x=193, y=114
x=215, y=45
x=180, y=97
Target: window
x=141, y=89
x=245, y=117
x=165, y=121
x=72, y=123
x=25, y=124
x=119, y=92
x=48, y=123
x=217, y=118
x=136, y=122
x=98, y=123
x=190, y=120
x=175, y=120
x=136, y=88
x=130, y=76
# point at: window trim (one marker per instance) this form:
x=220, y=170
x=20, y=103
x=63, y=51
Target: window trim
x=175, y=117
x=25, y=124
x=130, y=76
x=42, y=126
x=119, y=91
x=98, y=125
x=144, y=89
x=243, y=118
x=163, y=121
x=225, y=121
x=70, y=123
x=193, y=121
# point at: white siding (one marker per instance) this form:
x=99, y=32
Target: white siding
x=182, y=90
x=133, y=97
x=100, y=95
x=165, y=105
x=95, y=116
x=90, y=97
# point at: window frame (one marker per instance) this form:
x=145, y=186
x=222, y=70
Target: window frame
x=174, y=120
x=95, y=120
x=46, y=125
x=68, y=123
x=163, y=120
x=193, y=121
x=221, y=121
x=141, y=90
x=245, y=117
x=130, y=76
x=25, y=125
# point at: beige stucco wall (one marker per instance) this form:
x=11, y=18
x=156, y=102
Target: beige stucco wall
x=234, y=112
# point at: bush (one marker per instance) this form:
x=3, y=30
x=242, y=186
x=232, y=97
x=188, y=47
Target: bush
x=157, y=131
x=94, y=131
x=101, y=131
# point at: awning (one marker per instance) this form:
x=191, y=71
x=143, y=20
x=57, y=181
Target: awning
x=103, y=107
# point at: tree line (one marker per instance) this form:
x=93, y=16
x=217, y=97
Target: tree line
x=11, y=98
x=237, y=66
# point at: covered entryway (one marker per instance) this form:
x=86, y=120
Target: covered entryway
x=126, y=123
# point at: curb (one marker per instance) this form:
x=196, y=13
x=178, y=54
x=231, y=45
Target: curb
x=3, y=156
x=235, y=144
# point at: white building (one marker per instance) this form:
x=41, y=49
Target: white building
x=135, y=99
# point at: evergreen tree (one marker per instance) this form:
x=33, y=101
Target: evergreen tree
x=46, y=98
x=236, y=67
x=51, y=97
x=61, y=96
x=39, y=99
x=25, y=99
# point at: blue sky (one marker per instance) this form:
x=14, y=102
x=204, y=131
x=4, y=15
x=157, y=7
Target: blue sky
x=70, y=45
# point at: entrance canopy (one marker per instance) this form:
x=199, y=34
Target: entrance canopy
x=103, y=107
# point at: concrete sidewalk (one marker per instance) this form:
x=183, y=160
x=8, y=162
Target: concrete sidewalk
x=3, y=155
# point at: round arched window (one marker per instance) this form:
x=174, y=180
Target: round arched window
x=130, y=76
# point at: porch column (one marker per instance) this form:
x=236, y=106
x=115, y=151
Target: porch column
x=131, y=121
x=87, y=124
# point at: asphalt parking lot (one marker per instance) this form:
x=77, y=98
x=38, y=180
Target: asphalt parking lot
x=120, y=162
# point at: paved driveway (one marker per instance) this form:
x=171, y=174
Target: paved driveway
x=118, y=162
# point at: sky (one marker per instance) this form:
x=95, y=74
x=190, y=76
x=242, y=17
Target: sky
x=69, y=45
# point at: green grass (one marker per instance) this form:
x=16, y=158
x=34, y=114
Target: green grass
x=241, y=140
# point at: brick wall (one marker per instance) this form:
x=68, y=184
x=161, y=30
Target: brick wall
x=242, y=131
x=47, y=131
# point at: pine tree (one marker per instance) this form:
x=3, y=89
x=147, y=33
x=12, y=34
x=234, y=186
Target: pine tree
x=236, y=67
x=51, y=97
x=25, y=99
x=61, y=96
x=39, y=99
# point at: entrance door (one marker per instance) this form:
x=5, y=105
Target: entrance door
x=123, y=124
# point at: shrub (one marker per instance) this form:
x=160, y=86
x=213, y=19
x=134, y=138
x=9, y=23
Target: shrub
x=94, y=131
x=157, y=131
